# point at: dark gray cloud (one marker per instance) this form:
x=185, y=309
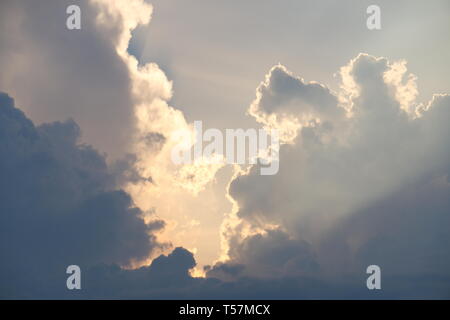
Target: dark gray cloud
x=270, y=255
x=285, y=93
x=405, y=233
x=125, y=170
x=59, y=206
x=166, y=274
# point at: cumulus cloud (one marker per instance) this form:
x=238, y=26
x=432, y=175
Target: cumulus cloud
x=340, y=168
x=267, y=255
x=123, y=108
x=59, y=206
x=286, y=102
x=372, y=167
x=156, y=121
x=122, y=104
x=166, y=275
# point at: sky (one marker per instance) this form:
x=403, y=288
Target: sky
x=89, y=119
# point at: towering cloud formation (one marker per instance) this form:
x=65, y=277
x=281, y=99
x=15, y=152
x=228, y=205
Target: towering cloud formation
x=121, y=104
x=370, y=164
x=150, y=92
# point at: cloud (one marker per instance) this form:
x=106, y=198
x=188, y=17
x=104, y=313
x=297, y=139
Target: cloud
x=339, y=168
x=122, y=107
x=363, y=175
x=72, y=214
x=373, y=171
x=272, y=254
x=288, y=102
x=55, y=73
x=121, y=103
x=59, y=205
x=167, y=273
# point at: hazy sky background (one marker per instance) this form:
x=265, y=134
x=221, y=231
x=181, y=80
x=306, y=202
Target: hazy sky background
x=217, y=52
